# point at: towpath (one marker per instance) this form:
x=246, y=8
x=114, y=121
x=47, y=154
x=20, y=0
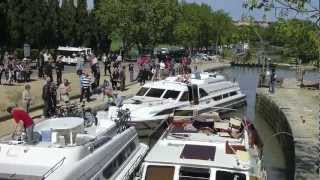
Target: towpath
x=293, y=111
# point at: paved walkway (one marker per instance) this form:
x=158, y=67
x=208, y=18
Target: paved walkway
x=301, y=108
x=6, y=127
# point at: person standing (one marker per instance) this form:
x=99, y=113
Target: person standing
x=48, y=70
x=85, y=84
x=122, y=78
x=26, y=97
x=162, y=68
x=59, y=69
x=47, y=97
x=64, y=91
x=96, y=71
x=131, y=70
x=80, y=63
x=272, y=81
x=1, y=72
x=115, y=78
x=105, y=62
x=40, y=65
x=21, y=117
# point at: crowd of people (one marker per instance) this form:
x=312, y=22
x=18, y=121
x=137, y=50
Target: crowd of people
x=14, y=70
x=57, y=90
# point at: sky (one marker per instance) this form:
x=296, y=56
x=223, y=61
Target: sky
x=235, y=10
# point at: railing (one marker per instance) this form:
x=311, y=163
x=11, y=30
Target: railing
x=53, y=168
x=132, y=167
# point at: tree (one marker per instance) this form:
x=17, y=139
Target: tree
x=25, y=22
x=305, y=7
x=138, y=22
x=51, y=24
x=67, y=26
x=82, y=23
x=3, y=22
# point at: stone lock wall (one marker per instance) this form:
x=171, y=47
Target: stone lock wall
x=277, y=120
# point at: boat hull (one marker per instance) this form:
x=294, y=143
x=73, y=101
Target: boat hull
x=148, y=127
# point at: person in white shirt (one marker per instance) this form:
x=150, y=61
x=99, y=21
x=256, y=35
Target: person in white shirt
x=162, y=67
x=119, y=58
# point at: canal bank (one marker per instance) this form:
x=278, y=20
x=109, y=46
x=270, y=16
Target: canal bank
x=292, y=114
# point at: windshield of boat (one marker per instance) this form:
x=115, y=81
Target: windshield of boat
x=160, y=173
x=226, y=175
x=171, y=94
x=142, y=91
x=185, y=96
x=155, y=92
x=191, y=173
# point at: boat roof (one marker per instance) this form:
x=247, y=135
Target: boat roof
x=185, y=145
x=176, y=82
x=67, y=48
x=17, y=159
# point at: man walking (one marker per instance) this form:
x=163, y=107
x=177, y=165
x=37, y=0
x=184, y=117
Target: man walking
x=96, y=71
x=49, y=98
x=20, y=116
x=122, y=78
x=26, y=97
x=85, y=85
x=59, y=69
x=48, y=70
x=131, y=70
x=105, y=62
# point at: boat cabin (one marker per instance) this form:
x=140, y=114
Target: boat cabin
x=207, y=86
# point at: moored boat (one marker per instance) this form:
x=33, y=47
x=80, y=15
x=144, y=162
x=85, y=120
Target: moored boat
x=205, y=147
x=156, y=101
x=67, y=149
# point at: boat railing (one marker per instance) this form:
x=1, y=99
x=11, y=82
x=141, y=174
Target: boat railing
x=132, y=167
x=53, y=168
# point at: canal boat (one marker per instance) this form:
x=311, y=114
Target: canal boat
x=156, y=101
x=67, y=148
x=205, y=147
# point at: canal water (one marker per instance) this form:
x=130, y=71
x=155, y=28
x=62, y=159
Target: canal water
x=248, y=81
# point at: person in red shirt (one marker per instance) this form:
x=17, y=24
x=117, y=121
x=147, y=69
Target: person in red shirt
x=20, y=116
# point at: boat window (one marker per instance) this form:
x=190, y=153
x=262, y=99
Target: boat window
x=190, y=173
x=184, y=97
x=160, y=173
x=225, y=175
x=171, y=94
x=198, y=152
x=142, y=91
x=118, y=160
x=233, y=93
x=203, y=93
x=225, y=95
x=217, y=98
x=183, y=113
x=154, y=92
x=166, y=111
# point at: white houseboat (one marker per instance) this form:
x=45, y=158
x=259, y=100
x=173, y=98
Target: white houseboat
x=205, y=149
x=68, y=150
x=156, y=101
